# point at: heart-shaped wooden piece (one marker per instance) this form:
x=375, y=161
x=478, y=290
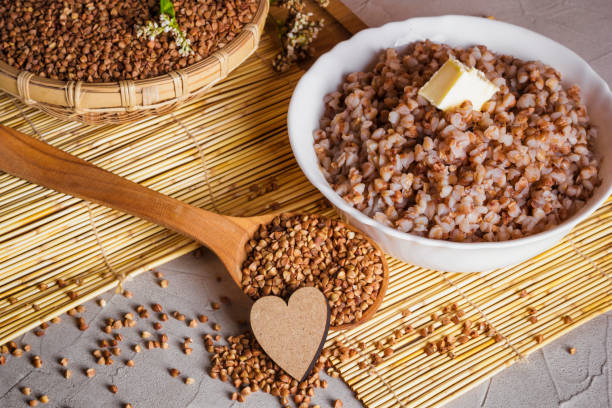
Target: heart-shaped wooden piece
x=293, y=333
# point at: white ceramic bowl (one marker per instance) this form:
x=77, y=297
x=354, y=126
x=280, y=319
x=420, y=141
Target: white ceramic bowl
x=359, y=52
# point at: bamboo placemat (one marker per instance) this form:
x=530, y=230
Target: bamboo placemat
x=229, y=152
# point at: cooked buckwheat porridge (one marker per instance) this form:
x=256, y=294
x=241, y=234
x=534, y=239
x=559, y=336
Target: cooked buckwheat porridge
x=521, y=165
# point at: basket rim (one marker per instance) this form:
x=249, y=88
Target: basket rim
x=166, y=79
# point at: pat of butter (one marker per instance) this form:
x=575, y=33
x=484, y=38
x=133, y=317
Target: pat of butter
x=455, y=83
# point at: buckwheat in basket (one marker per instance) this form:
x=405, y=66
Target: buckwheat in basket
x=129, y=100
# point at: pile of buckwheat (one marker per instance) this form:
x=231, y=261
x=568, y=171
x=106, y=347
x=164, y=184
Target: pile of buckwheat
x=249, y=369
x=520, y=166
x=307, y=250
x=98, y=41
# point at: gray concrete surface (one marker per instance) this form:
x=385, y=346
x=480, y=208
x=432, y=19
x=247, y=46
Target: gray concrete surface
x=582, y=25
x=549, y=378
x=192, y=287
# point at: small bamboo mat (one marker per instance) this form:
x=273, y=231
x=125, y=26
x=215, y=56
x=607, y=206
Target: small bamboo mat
x=229, y=152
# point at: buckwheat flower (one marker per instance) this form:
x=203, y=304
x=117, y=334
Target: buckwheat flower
x=167, y=24
x=297, y=33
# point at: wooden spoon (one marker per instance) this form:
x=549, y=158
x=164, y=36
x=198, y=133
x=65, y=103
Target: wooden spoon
x=35, y=161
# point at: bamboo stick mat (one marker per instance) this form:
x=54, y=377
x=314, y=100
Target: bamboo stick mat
x=229, y=152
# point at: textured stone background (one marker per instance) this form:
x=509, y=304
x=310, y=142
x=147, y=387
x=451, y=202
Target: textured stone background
x=549, y=378
x=581, y=25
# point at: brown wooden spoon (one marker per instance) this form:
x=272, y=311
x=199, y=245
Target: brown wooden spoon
x=37, y=162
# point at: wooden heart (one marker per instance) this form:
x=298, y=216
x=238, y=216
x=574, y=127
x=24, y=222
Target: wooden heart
x=292, y=334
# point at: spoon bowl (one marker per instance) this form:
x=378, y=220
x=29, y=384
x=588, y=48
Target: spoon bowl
x=39, y=163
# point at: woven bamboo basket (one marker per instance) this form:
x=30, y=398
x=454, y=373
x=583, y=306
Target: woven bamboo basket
x=129, y=100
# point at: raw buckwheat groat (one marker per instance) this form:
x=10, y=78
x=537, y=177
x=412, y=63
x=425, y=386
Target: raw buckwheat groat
x=307, y=250
x=97, y=41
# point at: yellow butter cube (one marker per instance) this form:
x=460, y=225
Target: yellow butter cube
x=455, y=83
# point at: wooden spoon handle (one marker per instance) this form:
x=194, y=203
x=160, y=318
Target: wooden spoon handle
x=40, y=163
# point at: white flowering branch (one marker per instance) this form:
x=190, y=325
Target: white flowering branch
x=296, y=33
x=167, y=24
